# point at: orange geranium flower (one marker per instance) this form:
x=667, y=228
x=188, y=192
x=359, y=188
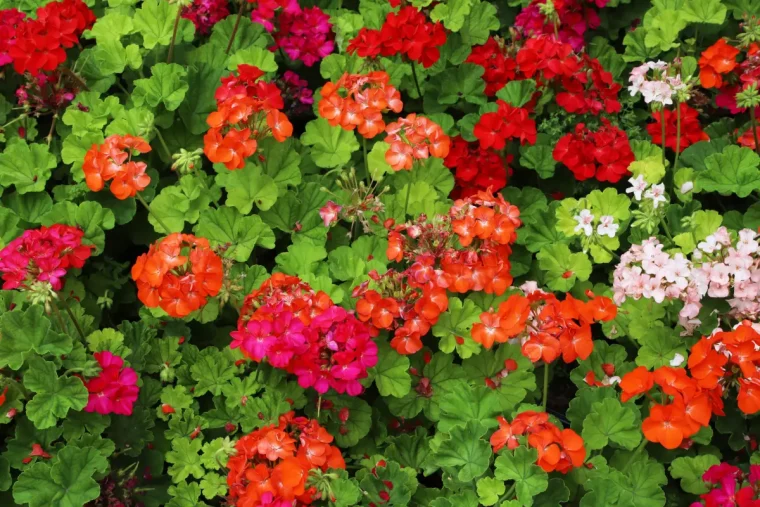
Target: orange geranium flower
x=504, y=436
x=749, y=395
x=112, y=161
x=636, y=382
x=716, y=61
x=179, y=273
x=667, y=424
x=414, y=138
x=248, y=110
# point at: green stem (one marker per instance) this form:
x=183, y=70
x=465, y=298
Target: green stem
x=364, y=149
x=52, y=129
x=416, y=82
x=666, y=228
x=678, y=135
x=78, y=80
x=506, y=496
x=545, y=399
x=174, y=34
x=613, y=254
x=406, y=204
x=163, y=143
x=235, y=28
x=638, y=450
x=319, y=406
x=60, y=318
x=754, y=128
x=147, y=207
x=72, y=317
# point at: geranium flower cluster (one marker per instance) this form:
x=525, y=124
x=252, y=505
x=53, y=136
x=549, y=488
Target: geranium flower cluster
x=272, y=465
x=248, y=110
x=716, y=267
x=498, y=66
x=545, y=326
x=657, y=82
x=730, y=486
x=719, y=68
x=43, y=255
x=642, y=189
x=715, y=62
x=406, y=32
x=358, y=101
x=46, y=92
x=409, y=302
x=114, y=390
x=414, y=138
x=728, y=358
x=305, y=35
x=9, y=21
x=604, y=155
x=559, y=450
x=40, y=43
x=691, y=130
x=568, y=19
x=112, y=161
x=687, y=403
x=476, y=169
x=303, y=332
x=296, y=93
x=204, y=14
x=493, y=130
x=179, y=273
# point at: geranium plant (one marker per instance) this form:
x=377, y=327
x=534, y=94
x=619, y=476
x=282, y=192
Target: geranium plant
x=448, y=253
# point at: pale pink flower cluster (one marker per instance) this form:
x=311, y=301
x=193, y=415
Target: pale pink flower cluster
x=715, y=269
x=658, y=87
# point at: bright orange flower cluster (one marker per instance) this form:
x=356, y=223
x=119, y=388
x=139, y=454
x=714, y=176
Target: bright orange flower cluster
x=467, y=250
x=357, y=101
x=546, y=326
x=247, y=110
x=558, y=450
x=730, y=358
x=717, y=60
x=686, y=406
x=272, y=464
x=179, y=273
x=112, y=161
x=414, y=138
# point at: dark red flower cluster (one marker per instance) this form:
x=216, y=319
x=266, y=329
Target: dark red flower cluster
x=305, y=35
x=604, y=154
x=303, y=332
x=47, y=92
x=10, y=19
x=40, y=43
x=493, y=130
x=296, y=94
x=691, y=130
x=271, y=465
x=571, y=17
x=248, y=109
x=498, y=67
x=475, y=168
x=43, y=255
x=467, y=250
x=179, y=273
x=204, y=14
x=407, y=32
x=558, y=450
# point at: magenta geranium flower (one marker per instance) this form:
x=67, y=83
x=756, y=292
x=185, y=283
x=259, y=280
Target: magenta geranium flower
x=114, y=390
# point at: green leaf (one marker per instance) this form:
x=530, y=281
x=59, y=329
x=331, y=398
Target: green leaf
x=563, y=267
x=254, y=55
x=114, y=25
x=185, y=459
x=452, y=13
x=489, y=490
x=659, y=346
x=734, y=171
x=154, y=20
x=65, y=482
x=55, y=395
x=167, y=85
x=374, y=481
x=213, y=486
x=518, y=93
x=635, y=48
x=226, y=226
x=662, y=32
x=282, y=162
x=463, y=83
x=704, y=11
x=608, y=421
x=465, y=449
x=185, y=495
x=480, y=23
x=539, y=158
x=520, y=466
x=455, y=325
x=650, y=167
x=27, y=167
x=212, y=371
x=27, y=331
x=690, y=470
x=88, y=113
x=462, y=402
x=107, y=339
x=391, y=373
x=301, y=258
x=331, y=146
x=247, y=186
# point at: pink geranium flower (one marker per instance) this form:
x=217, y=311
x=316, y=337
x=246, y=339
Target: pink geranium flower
x=114, y=390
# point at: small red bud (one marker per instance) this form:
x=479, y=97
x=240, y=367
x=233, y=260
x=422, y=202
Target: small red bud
x=608, y=369
x=230, y=427
x=510, y=364
x=167, y=409
x=343, y=414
